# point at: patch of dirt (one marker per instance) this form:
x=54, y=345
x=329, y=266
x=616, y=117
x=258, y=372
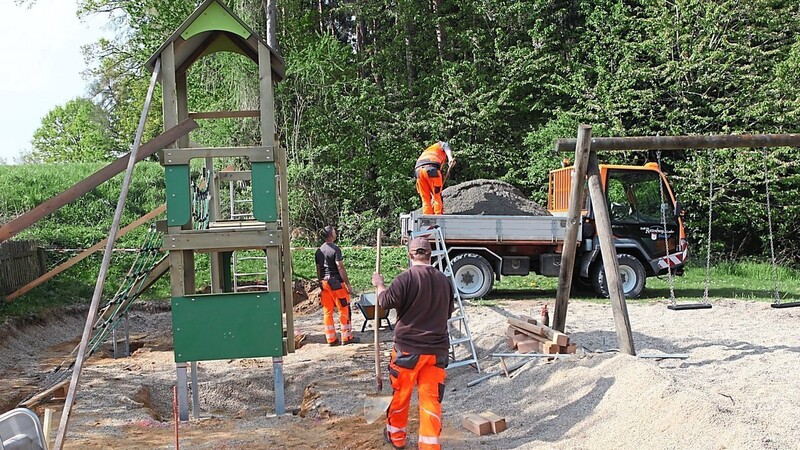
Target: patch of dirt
x=740, y=377
x=306, y=297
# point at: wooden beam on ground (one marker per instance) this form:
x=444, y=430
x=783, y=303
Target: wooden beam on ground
x=53, y=204
x=225, y=114
x=573, y=224
x=685, y=142
x=84, y=254
x=38, y=398
x=609, y=253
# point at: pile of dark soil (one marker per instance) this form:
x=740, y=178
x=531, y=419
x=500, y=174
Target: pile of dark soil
x=489, y=197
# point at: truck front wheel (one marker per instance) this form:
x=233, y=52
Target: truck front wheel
x=630, y=270
x=473, y=274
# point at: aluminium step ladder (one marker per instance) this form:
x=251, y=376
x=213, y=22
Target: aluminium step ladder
x=460, y=337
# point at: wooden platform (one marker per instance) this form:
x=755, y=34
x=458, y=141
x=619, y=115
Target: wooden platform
x=226, y=236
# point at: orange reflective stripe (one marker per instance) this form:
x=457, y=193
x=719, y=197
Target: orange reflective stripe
x=395, y=429
x=429, y=440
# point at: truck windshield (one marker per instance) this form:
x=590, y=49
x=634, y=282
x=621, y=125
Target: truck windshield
x=634, y=196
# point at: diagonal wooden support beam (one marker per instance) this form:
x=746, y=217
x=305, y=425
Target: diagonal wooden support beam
x=84, y=254
x=10, y=229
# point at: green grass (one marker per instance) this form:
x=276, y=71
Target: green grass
x=358, y=261
x=740, y=280
x=743, y=280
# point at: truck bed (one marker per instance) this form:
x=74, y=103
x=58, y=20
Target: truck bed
x=490, y=229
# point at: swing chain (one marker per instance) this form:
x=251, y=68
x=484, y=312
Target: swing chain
x=666, y=236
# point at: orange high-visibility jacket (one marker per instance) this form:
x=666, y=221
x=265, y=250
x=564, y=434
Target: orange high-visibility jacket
x=433, y=155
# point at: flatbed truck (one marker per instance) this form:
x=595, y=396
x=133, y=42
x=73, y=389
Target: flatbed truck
x=646, y=222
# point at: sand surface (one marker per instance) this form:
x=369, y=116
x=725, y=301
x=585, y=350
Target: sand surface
x=738, y=388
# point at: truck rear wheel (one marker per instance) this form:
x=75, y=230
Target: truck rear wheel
x=473, y=274
x=630, y=270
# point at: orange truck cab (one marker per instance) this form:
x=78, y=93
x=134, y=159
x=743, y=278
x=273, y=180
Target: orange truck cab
x=646, y=222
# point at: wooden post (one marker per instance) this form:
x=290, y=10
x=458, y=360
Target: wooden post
x=609, y=252
x=53, y=204
x=101, y=277
x=267, y=107
x=573, y=224
x=84, y=254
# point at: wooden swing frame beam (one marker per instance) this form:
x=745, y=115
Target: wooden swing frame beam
x=586, y=163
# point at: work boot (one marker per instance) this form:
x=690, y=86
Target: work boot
x=388, y=440
x=333, y=344
x=353, y=340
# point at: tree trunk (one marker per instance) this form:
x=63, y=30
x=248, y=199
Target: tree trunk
x=440, y=33
x=271, y=15
x=321, y=12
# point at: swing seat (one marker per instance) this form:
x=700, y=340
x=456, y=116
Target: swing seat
x=689, y=306
x=785, y=305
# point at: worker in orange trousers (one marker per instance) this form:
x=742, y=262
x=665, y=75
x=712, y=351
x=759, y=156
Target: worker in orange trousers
x=423, y=298
x=430, y=178
x=336, y=289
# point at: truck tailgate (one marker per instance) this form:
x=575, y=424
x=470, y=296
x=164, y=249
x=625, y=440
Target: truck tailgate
x=490, y=228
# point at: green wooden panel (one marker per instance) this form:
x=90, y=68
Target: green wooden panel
x=225, y=326
x=265, y=201
x=215, y=18
x=179, y=208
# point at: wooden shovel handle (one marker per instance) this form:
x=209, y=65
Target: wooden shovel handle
x=375, y=320
x=378, y=255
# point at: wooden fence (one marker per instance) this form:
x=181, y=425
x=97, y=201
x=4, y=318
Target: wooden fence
x=20, y=263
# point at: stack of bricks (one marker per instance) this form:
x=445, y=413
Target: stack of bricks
x=484, y=423
x=528, y=335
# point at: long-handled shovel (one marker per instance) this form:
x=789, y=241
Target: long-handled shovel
x=376, y=404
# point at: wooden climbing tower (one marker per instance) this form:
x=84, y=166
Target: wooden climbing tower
x=224, y=324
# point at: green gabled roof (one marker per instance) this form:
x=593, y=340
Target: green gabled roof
x=213, y=27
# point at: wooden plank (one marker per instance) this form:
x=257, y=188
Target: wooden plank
x=84, y=254
x=182, y=93
x=531, y=335
x=498, y=423
x=476, y=424
x=38, y=398
x=610, y=263
x=222, y=241
x=225, y=114
x=234, y=175
x=684, y=142
x=53, y=204
x=523, y=325
x=573, y=226
x=551, y=334
x=101, y=277
x=180, y=156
